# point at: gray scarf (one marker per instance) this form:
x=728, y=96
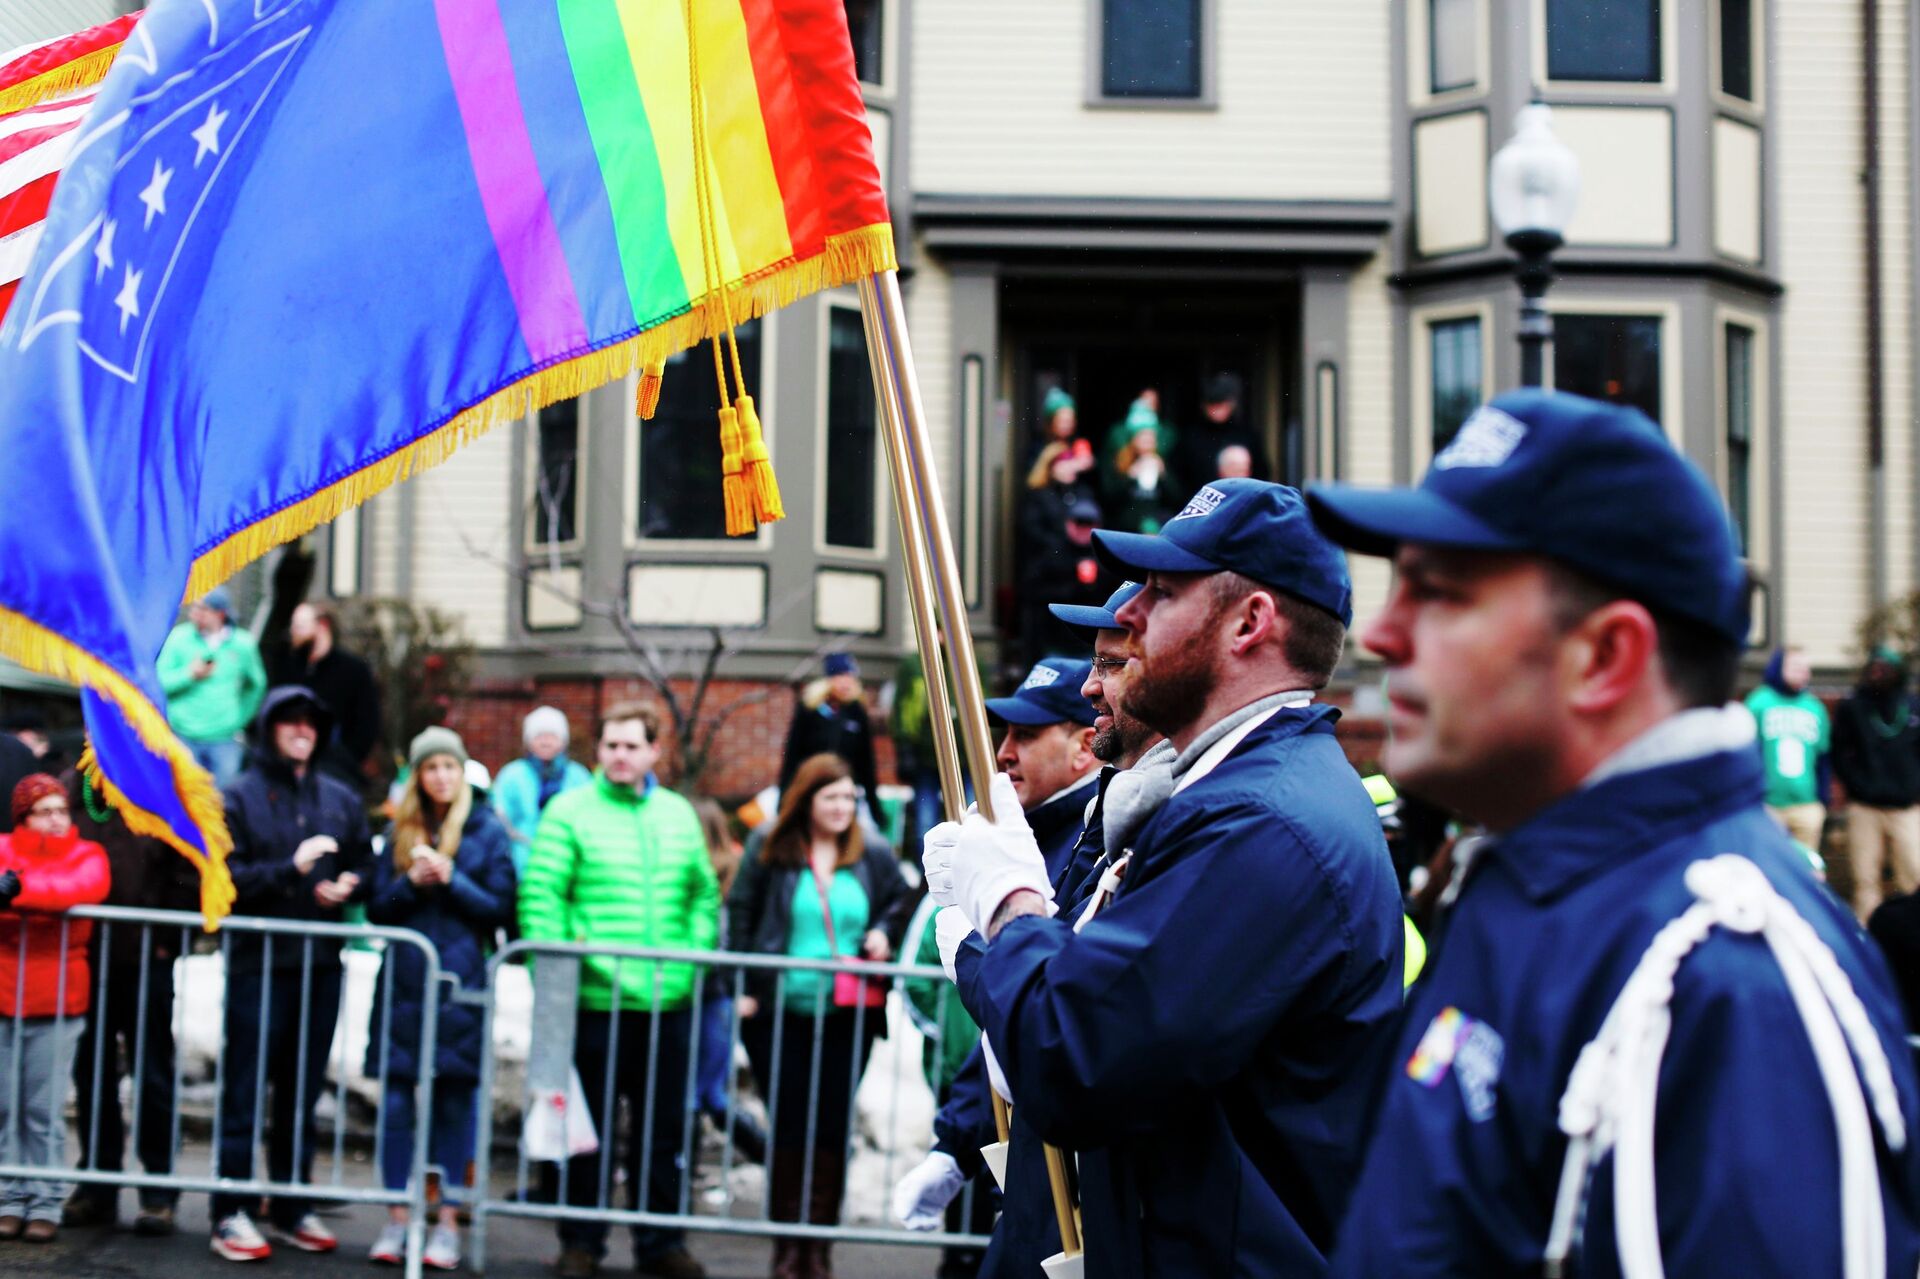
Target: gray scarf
x=1230, y=721
x=1135, y=794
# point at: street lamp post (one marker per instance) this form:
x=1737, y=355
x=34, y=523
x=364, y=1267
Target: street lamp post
x=1533, y=186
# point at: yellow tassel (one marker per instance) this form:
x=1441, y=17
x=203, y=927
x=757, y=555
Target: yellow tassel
x=733, y=484
x=762, y=487
x=88, y=69
x=847, y=257
x=646, y=402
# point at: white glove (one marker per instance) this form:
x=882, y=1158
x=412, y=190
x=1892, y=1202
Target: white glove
x=995, y=1076
x=995, y=859
x=937, y=849
x=922, y=1196
x=951, y=927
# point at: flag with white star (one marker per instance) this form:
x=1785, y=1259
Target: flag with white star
x=301, y=249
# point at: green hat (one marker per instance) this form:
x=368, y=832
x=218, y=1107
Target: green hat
x=1141, y=417
x=1056, y=399
x=435, y=741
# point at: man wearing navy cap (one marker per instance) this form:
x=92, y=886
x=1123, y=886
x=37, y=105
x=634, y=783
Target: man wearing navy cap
x=1206, y=1039
x=1647, y=1039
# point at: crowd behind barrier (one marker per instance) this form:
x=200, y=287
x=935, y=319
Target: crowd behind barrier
x=529, y=1010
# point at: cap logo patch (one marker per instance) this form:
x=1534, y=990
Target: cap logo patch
x=1202, y=503
x=1040, y=677
x=1488, y=438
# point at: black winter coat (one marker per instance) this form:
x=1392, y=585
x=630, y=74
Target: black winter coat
x=459, y=919
x=1876, y=749
x=827, y=729
x=760, y=906
x=270, y=812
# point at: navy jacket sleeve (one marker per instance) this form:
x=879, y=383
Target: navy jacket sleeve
x=263, y=875
x=484, y=889
x=964, y=1122
x=1170, y=989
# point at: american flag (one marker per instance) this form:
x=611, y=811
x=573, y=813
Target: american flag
x=46, y=90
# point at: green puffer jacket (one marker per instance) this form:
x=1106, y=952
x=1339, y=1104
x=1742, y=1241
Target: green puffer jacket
x=612, y=866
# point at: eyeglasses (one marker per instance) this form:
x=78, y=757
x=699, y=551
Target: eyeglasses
x=1108, y=665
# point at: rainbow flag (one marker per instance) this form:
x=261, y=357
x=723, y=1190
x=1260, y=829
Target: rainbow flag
x=302, y=249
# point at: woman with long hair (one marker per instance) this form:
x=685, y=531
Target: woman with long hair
x=448, y=875
x=813, y=890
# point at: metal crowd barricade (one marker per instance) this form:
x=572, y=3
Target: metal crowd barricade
x=547, y=1196
x=92, y=1072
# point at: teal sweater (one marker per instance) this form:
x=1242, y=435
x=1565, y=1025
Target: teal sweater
x=213, y=709
x=612, y=866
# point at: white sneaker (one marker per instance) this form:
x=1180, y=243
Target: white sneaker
x=237, y=1239
x=443, y=1248
x=390, y=1249
x=309, y=1234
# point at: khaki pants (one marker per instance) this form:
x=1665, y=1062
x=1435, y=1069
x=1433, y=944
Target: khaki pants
x=1870, y=833
x=1803, y=821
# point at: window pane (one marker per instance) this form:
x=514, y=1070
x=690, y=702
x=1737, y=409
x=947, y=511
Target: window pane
x=1609, y=357
x=850, y=433
x=1456, y=376
x=680, y=448
x=863, y=24
x=1740, y=374
x=1603, y=40
x=1451, y=38
x=1736, y=49
x=1150, y=49
x=557, y=485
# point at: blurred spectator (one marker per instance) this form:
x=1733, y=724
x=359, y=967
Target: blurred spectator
x=1222, y=423
x=1142, y=414
x=448, y=875
x=1059, y=424
x=210, y=671
x=1068, y=572
x=1794, y=741
x=17, y=760
x=1141, y=493
x=1876, y=754
x=623, y=863
x=300, y=852
x=45, y=868
x=138, y=962
x=30, y=727
x=913, y=744
x=1895, y=925
x=1234, y=462
x=525, y=786
x=813, y=890
x=716, y=1008
x=341, y=680
x=830, y=718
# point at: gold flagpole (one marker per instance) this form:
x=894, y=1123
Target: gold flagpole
x=933, y=574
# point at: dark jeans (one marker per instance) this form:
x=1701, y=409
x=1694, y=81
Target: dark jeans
x=655, y=1165
x=795, y=1091
x=290, y=1110
x=115, y=1022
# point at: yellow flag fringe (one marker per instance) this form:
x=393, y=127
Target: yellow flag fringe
x=646, y=400
x=39, y=649
x=846, y=258
x=88, y=69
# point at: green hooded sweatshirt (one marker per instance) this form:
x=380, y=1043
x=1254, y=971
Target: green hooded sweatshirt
x=615, y=866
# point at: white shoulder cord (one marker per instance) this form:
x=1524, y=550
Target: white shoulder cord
x=1614, y=1087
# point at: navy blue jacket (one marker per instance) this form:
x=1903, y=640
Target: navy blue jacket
x=1207, y=1041
x=1460, y=1174
x=459, y=918
x=269, y=813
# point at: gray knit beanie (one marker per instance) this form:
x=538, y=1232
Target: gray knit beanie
x=436, y=741
x=546, y=719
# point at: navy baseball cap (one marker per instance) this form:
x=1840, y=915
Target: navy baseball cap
x=1250, y=527
x=1592, y=485
x=1049, y=695
x=1097, y=617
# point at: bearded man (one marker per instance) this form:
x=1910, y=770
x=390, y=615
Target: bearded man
x=1208, y=1038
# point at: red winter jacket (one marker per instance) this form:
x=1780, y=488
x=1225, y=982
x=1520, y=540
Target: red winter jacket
x=55, y=874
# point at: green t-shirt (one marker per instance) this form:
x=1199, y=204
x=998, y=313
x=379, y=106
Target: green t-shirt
x=807, y=939
x=1794, y=734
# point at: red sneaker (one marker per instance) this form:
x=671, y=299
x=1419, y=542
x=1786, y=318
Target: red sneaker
x=237, y=1239
x=308, y=1235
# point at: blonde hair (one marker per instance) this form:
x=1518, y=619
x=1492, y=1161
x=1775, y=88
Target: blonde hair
x=1041, y=474
x=410, y=820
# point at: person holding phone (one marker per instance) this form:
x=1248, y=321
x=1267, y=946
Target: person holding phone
x=300, y=852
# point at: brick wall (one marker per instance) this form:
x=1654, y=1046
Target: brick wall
x=746, y=751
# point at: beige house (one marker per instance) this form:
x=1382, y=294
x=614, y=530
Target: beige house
x=1107, y=195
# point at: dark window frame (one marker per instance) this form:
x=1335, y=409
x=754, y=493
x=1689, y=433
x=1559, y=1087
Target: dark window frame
x=1656, y=37
x=860, y=388
x=875, y=47
x=1739, y=430
x=1206, y=42
x=1569, y=324
x=1746, y=38
x=1435, y=88
x=575, y=497
x=690, y=398
x=1436, y=329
